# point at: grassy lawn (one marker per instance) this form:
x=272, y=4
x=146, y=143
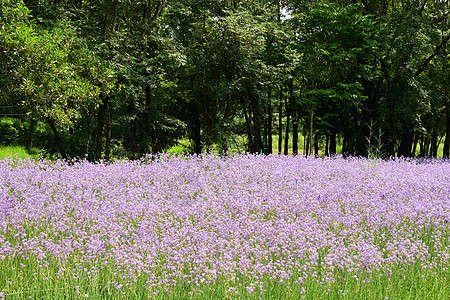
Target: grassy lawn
x=19, y=151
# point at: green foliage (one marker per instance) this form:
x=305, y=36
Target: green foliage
x=210, y=70
x=11, y=130
x=45, y=78
x=20, y=151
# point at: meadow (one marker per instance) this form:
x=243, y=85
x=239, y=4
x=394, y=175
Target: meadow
x=238, y=227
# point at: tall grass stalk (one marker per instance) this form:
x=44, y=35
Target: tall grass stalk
x=374, y=143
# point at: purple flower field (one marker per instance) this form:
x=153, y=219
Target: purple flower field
x=244, y=221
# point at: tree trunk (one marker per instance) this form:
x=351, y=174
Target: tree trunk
x=286, y=135
x=31, y=131
x=264, y=132
x=316, y=144
x=248, y=124
x=226, y=118
x=57, y=138
x=305, y=146
x=280, y=120
x=327, y=140
x=425, y=145
x=132, y=134
x=208, y=118
x=422, y=146
x=148, y=126
x=288, y=108
x=269, y=123
x=434, y=144
x=344, y=145
x=311, y=131
x=196, y=128
x=406, y=143
x=108, y=133
x=388, y=145
x=256, y=113
x=100, y=125
x=133, y=142
x=295, y=136
x=446, y=152
x=333, y=144
x=308, y=140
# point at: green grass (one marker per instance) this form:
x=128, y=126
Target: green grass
x=178, y=149
x=440, y=151
x=19, y=151
x=403, y=282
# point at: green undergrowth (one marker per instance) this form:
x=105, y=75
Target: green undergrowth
x=43, y=281
x=20, y=151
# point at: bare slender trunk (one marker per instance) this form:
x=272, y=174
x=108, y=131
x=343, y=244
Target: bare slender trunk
x=295, y=136
x=286, y=135
x=108, y=133
x=305, y=147
x=288, y=108
x=269, y=123
x=316, y=144
x=446, y=152
x=311, y=131
x=280, y=120
x=256, y=112
x=308, y=140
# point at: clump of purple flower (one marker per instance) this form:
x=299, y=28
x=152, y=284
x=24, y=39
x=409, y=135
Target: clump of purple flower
x=171, y=220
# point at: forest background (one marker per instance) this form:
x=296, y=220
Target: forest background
x=122, y=78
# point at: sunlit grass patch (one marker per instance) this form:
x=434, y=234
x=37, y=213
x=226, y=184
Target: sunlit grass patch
x=19, y=151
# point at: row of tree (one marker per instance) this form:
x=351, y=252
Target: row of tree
x=136, y=76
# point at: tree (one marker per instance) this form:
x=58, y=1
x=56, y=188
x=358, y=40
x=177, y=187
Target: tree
x=51, y=72
x=338, y=46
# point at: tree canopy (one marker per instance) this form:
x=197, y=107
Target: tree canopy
x=128, y=78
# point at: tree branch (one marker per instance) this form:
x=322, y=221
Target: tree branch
x=158, y=10
x=430, y=58
x=422, y=7
x=440, y=19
